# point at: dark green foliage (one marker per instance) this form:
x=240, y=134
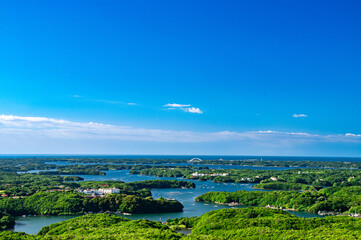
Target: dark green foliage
x=164, y=171
x=93, y=169
x=6, y=221
x=286, y=163
x=161, y=184
x=292, y=179
x=134, y=204
x=133, y=186
x=264, y=163
x=34, y=163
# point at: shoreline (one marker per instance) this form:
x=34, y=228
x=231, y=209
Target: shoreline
x=320, y=213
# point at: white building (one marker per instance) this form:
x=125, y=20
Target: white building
x=196, y=174
x=108, y=190
x=100, y=191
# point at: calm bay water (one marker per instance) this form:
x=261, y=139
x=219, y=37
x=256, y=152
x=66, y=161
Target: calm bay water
x=32, y=224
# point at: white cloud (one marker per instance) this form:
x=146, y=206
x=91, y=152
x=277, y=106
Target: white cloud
x=299, y=115
x=184, y=107
x=18, y=127
x=132, y=104
x=352, y=135
x=192, y=110
x=176, y=105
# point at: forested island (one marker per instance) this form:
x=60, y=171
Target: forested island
x=333, y=200
x=331, y=163
x=246, y=223
x=31, y=193
x=262, y=223
x=291, y=179
x=64, y=199
x=70, y=203
x=104, y=164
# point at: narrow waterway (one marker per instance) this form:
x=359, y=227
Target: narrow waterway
x=32, y=224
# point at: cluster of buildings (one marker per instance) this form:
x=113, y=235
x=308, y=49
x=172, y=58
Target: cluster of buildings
x=246, y=179
x=100, y=191
x=196, y=174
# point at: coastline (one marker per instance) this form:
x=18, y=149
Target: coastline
x=321, y=213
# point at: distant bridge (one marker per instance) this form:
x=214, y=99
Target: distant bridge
x=195, y=160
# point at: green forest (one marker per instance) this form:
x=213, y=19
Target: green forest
x=334, y=199
x=291, y=179
x=70, y=203
x=58, y=199
x=57, y=190
x=246, y=223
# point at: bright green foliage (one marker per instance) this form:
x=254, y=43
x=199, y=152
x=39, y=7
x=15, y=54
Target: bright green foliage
x=245, y=223
x=16, y=236
x=15, y=184
x=262, y=223
x=285, y=186
x=334, y=199
x=182, y=223
x=104, y=226
x=65, y=203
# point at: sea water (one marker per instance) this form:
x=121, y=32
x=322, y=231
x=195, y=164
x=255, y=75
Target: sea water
x=33, y=224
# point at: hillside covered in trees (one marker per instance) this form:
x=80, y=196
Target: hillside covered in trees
x=246, y=223
x=334, y=199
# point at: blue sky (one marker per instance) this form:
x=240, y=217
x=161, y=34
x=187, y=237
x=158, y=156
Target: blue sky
x=180, y=77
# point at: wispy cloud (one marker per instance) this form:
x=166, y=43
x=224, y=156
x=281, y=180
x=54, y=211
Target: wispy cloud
x=184, y=107
x=50, y=128
x=176, y=105
x=299, y=115
x=107, y=101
